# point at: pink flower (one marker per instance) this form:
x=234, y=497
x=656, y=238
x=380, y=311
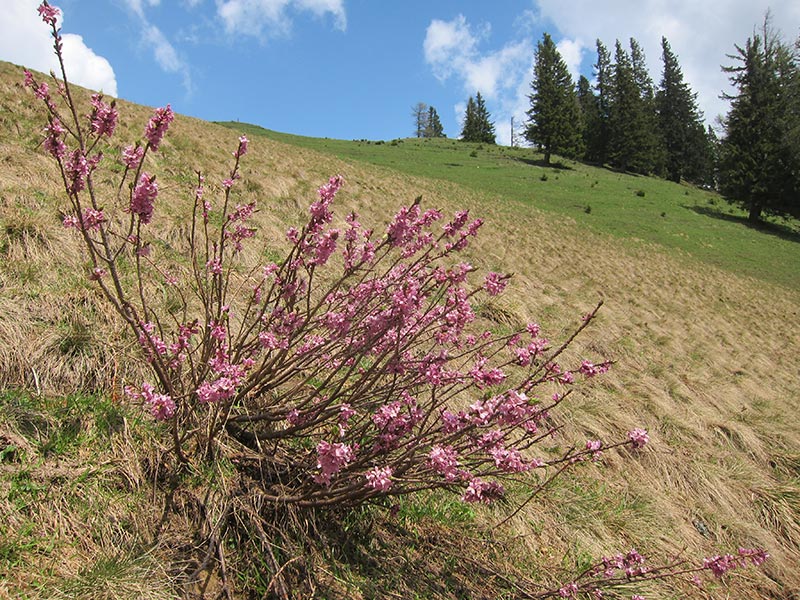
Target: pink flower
x=103, y=119
x=444, y=460
x=242, y=149
x=637, y=597
x=48, y=13
x=217, y=390
x=158, y=125
x=132, y=156
x=97, y=273
x=494, y=283
x=90, y=220
x=76, y=169
x=638, y=437
x=594, y=446
x=380, y=479
x=144, y=197
x=161, y=406
x=590, y=369
x=569, y=590
x=53, y=142
x=482, y=491
x=331, y=458
x=757, y=555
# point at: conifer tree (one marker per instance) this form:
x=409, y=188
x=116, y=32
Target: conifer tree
x=759, y=156
x=433, y=127
x=554, y=119
x=680, y=123
x=624, y=113
x=590, y=120
x=631, y=145
x=469, y=127
x=649, y=155
x=477, y=126
x=597, y=149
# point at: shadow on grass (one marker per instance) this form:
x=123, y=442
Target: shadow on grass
x=539, y=162
x=784, y=232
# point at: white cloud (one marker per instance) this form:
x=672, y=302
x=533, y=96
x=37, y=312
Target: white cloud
x=572, y=53
x=164, y=52
x=26, y=40
x=701, y=33
x=252, y=17
x=154, y=39
x=502, y=76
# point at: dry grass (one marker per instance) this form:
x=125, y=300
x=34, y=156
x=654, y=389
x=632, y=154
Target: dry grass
x=706, y=360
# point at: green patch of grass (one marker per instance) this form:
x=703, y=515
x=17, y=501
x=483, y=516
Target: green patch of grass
x=700, y=223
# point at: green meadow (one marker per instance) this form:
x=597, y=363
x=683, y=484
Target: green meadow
x=635, y=209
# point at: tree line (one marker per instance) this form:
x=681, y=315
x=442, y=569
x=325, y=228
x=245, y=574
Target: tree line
x=625, y=121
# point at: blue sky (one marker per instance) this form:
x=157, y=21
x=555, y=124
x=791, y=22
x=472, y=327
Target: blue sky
x=353, y=69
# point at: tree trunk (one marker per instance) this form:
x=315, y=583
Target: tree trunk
x=547, y=157
x=755, y=213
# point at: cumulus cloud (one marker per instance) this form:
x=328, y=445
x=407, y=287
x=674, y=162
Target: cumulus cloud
x=452, y=49
x=700, y=33
x=25, y=40
x=253, y=17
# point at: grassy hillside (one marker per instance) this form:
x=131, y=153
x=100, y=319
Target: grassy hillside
x=634, y=209
x=705, y=350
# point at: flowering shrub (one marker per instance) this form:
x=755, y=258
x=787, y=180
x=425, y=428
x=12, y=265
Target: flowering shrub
x=353, y=368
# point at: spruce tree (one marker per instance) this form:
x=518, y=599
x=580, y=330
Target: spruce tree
x=631, y=144
x=433, y=128
x=649, y=155
x=624, y=113
x=554, y=119
x=484, y=120
x=597, y=150
x=759, y=160
x=477, y=126
x=469, y=128
x=590, y=120
x=680, y=123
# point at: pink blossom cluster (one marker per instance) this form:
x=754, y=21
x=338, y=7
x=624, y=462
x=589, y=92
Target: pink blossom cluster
x=486, y=377
x=495, y=283
x=481, y=491
x=331, y=458
x=242, y=149
x=143, y=197
x=409, y=229
x=103, y=118
x=594, y=446
x=76, y=168
x=638, y=437
x=320, y=210
x=90, y=220
x=444, y=460
x=589, y=369
x=53, y=141
x=41, y=91
x=132, y=156
x=719, y=565
x=380, y=478
x=161, y=406
x=396, y=419
x=568, y=591
x=157, y=126
x=48, y=13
